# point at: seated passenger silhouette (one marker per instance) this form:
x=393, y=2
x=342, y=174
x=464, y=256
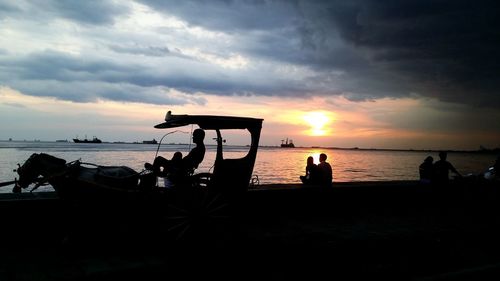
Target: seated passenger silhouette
x=442, y=169
x=325, y=171
x=175, y=172
x=426, y=170
x=179, y=168
x=311, y=176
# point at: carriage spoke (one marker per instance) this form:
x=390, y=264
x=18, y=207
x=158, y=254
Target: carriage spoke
x=176, y=217
x=181, y=234
x=178, y=209
x=221, y=217
x=215, y=198
x=218, y=208
x=178, y=225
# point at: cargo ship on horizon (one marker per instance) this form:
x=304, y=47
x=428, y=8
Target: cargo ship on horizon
x=93, y=140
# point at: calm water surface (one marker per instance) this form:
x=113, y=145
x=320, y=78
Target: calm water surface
x=273, y=165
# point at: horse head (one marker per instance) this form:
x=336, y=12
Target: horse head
x=38, y=165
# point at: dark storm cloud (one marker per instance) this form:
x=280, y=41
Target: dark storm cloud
x=65, y=77
x=443, y=49
x=86, y=79
x=51, y=65
x=93, y=91
x=448, y=48
x=266, y=29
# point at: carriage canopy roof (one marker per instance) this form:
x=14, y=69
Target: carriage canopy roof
x=210, y=122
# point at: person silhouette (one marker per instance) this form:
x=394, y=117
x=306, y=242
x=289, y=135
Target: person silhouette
x=426, y=170
x=325, y=171
x=442, y=169
x=181, y=167
x=175, y=171
x=311, y=176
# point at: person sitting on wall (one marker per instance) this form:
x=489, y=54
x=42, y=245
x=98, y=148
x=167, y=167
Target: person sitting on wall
x=325, y=171
x=442, y=169
x=426, y=170
x=311, y=176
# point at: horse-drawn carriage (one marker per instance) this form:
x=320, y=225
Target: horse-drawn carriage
x=102, y=190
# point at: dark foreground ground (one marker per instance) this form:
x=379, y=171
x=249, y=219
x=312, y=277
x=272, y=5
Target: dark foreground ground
x=385, y=230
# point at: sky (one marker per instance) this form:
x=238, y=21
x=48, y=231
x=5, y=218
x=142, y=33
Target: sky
x=415, y=74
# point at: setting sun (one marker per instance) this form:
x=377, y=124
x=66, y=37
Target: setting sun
x=317, y=121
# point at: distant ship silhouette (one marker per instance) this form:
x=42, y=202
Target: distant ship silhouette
x=94, y=140
x=287, y=143
x=150, y=141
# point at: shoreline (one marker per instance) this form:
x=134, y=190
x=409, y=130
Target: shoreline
x=49, y=195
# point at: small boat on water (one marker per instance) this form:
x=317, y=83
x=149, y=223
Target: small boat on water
x=85, y=140
x=287, y=143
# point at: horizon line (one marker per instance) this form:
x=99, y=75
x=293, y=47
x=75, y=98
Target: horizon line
x=481, y=149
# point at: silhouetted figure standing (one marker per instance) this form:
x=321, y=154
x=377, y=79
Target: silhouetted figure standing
x=311, y=176
x=442, y=169
x=426, y=170
x=325, y=171
x=188, y=164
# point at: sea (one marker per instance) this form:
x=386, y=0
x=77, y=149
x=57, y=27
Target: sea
x=273, y=164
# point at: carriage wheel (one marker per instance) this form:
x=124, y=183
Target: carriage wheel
x=198, y=214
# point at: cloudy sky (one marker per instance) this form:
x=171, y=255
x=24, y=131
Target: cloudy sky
x=375, y=74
